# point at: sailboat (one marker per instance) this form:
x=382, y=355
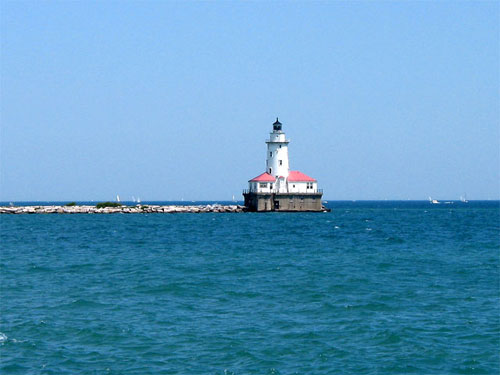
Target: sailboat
x=117, y=198
x=463, y=198
x=433, y=201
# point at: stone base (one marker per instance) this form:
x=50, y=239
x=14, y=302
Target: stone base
x=283, y=202
x=140, y=208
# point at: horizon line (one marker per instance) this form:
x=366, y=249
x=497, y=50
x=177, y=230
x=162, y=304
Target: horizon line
x=241, y=200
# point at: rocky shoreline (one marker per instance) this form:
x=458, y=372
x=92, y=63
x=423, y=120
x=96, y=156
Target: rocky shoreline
x=139, y=209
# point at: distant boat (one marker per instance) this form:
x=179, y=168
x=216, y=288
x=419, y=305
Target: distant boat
x=117, y=198
x=234, y=200
x=463, y=198
x=433, y=201
x=138, y=200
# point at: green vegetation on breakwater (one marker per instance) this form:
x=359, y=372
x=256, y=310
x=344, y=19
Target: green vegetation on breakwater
x=108, y=204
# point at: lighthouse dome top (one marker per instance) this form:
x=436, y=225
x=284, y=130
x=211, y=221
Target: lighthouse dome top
x=277, y=125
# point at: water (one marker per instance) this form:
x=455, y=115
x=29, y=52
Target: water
x=370, y=288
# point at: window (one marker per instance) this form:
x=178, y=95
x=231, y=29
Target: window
x=309, y=185
x=280, y=146
x=281, y=162
x=293, y=185
x=270, y=171
x=271, y=154
x=271, y=185
x=263, y=185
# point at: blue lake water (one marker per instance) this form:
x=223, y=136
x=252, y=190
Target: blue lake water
x=369, y=288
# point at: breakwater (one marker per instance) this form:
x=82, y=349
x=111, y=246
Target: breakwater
x=139, y=209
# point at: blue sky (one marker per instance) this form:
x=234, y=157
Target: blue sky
x=171, y=100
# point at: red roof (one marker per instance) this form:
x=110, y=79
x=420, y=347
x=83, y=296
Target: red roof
x=297, y=176
x=264, y=177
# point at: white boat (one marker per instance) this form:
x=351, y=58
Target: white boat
x=433, y=201
x=463, y=198
x=117, y=198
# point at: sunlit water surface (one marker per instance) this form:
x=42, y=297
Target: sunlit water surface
x=370, y=288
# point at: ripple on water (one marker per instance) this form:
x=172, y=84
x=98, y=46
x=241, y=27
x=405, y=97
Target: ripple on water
x=81, y=304
x=261, y=294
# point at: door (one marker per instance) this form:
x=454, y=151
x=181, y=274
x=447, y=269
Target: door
x=281, y=185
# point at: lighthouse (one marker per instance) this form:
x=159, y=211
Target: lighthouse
x=277, y=156
x=279, y=188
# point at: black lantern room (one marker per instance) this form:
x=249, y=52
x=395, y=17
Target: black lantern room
x=277, y=125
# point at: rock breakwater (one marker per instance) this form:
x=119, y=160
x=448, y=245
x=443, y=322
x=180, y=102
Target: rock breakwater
x=139, y=209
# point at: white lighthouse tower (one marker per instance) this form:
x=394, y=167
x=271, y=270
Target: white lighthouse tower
x=277, y=164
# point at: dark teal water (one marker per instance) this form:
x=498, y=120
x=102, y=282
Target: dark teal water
x=381, y=288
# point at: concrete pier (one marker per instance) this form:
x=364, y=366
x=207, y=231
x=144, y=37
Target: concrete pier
x=139, y=209
x=283, y=202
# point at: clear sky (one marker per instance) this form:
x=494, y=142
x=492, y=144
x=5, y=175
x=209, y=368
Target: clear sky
x=170, y=100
